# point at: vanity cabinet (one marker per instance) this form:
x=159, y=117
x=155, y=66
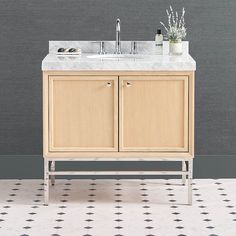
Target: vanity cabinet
x=153, y=113
x=83, y=113
x=118, y=114
x=136, y=107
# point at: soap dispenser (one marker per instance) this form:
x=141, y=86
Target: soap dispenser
x=159, y=42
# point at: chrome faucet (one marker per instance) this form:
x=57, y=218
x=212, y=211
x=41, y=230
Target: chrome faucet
x=118, y=44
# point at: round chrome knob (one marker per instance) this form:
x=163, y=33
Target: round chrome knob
x=109, y=84
x=128, y=84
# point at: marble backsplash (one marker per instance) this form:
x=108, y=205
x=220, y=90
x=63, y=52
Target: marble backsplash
x=143, y=47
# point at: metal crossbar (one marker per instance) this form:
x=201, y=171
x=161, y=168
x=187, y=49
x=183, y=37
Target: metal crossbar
x=50, y=173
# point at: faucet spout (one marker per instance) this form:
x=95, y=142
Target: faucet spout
x=118, y=42
x=118, y=24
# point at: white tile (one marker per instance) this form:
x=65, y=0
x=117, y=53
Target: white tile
x=118, y=207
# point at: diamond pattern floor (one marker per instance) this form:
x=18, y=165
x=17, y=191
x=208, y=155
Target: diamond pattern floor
x=118, y=208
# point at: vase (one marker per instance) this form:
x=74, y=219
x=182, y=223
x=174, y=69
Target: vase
x=175, y=48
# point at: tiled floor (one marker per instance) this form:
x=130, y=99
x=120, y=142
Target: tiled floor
x=118, y=208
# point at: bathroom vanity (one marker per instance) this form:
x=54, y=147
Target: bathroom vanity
x=137, y=107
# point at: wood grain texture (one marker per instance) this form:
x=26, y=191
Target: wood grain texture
x=180, y=90
x=117, y=73
x=117, y=155
x=83, y=113
x=154, y=113
x=192, y=113
x=45, y=114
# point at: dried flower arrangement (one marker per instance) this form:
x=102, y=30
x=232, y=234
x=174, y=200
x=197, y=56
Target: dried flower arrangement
x=176, y=30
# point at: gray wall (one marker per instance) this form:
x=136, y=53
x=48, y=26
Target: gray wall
x=27, y=25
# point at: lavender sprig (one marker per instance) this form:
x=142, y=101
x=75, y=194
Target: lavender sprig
x=176, y=30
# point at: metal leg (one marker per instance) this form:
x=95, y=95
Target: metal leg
x=46, y=182
x=52, y=168
x=186, y=166
x=183, y=169
x=190, y=177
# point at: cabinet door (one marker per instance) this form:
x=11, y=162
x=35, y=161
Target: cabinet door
x=153, y=113
x=83, y=113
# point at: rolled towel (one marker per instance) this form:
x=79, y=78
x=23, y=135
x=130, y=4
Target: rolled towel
x=69, y=51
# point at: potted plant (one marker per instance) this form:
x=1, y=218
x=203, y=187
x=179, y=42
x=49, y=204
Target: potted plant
x=175, y=31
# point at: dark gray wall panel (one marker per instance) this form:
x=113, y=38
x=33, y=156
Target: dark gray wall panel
x=27, y=25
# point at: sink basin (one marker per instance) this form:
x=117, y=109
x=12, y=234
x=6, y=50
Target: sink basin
x=115, y=56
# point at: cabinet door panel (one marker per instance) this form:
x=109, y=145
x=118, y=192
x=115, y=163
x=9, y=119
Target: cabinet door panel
x=83, y=113
x=154, y=113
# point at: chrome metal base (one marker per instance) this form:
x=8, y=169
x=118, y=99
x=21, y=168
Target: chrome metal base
x=184, y=169
x=46, y=182
x=52, y=168
x=187, y=171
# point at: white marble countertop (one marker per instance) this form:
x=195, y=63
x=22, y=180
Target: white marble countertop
x=136, y=63
x=145, y=60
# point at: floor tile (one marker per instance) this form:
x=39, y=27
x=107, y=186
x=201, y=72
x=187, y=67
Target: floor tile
x=143, y=207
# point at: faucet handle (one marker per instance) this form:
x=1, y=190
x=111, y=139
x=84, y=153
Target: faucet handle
x=133, y=49
x=102, y=47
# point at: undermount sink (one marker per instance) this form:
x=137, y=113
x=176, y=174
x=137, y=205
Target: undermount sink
x=115, y=56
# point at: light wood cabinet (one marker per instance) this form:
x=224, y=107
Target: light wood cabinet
x=153, y=113
x=118, y=114
x=83, y=113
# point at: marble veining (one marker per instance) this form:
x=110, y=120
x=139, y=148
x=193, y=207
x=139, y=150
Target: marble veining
x=145, y=60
